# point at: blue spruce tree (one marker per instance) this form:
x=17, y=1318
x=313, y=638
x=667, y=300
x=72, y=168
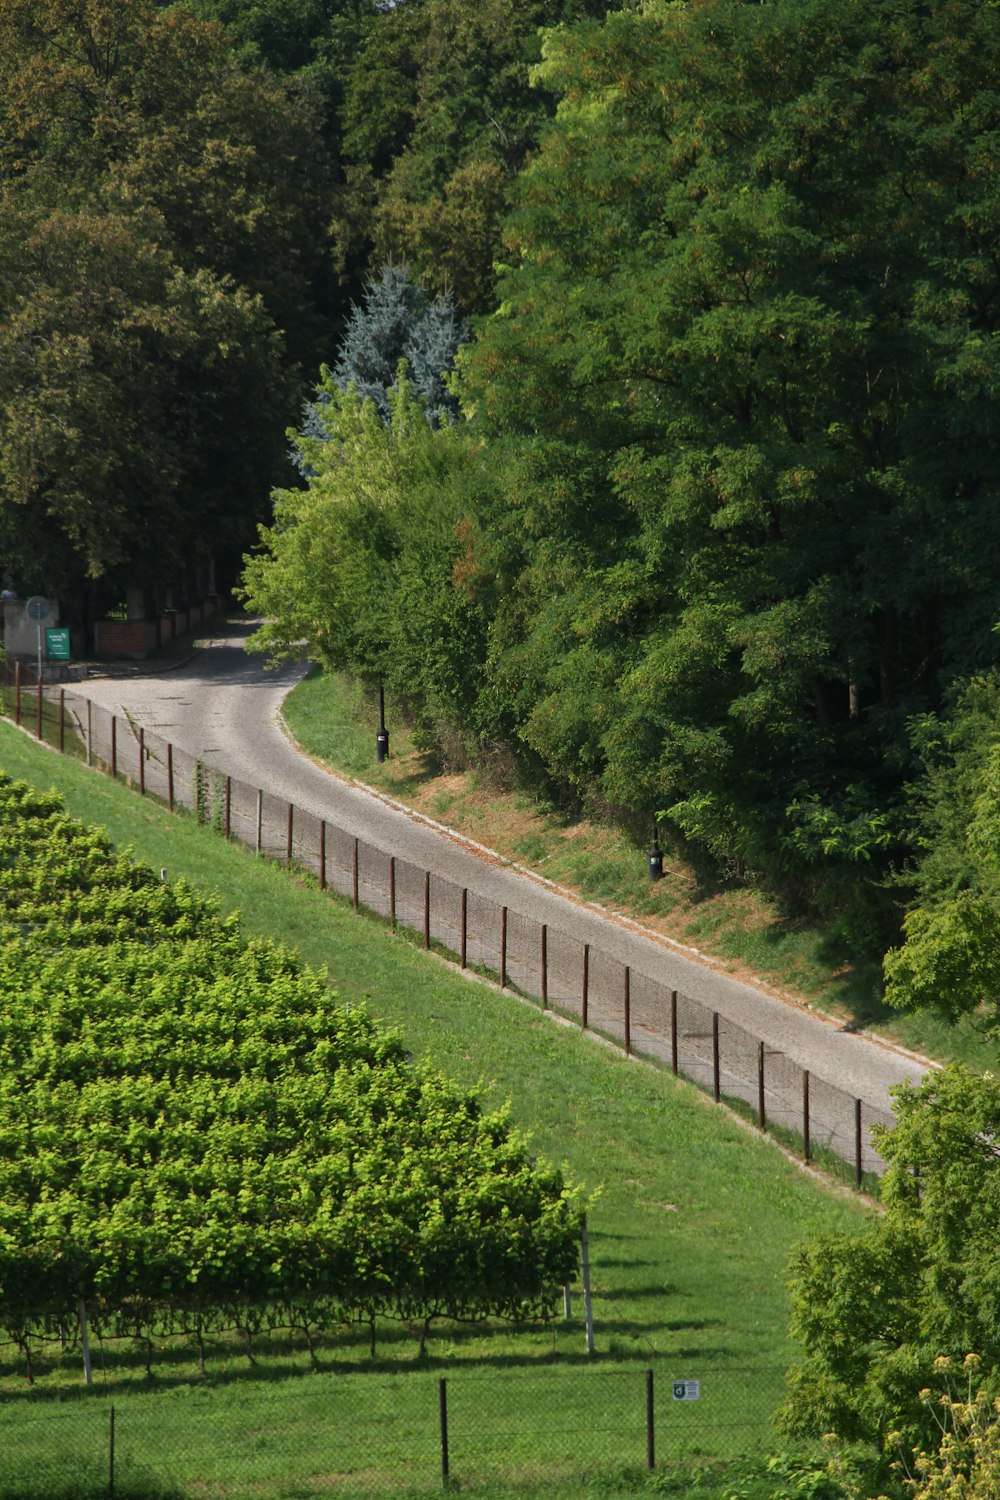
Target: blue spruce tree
x=396, y=320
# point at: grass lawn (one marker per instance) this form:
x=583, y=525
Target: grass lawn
x=690, y=1235
x=331, y=718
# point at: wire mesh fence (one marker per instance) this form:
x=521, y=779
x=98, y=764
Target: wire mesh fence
x=578, y=980
x=376, y=1433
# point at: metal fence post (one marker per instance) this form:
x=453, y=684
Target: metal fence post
x=38, y=727
x=90, y=732
x=170, y=776
x=427, y=908
x=716, y=1085
x=465, y=927
x=111, y=1454
x=114, y=747
x=858, y=1161
x=354, y=876
x=650, y=1432
x=17, y=692
x=627, y=998
x=545, y=965
x=673, y=1032
x=322, y=854
x=392, y=892
x=260, y=819
x=503, y=948
x=229, y=806
x=288, y=841
x=585, y=998
x=62, y=720
x=443, y=1410
x=142, y=761
x=805, y=1115
x=761, y=1118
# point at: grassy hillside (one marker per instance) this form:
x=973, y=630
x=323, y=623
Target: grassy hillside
x=689, y=1235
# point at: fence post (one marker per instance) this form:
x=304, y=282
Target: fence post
x=585, y=1002
x=650, y=1434
x=354, y=876
x=858, y=1162
x=545, y=965
x=111, y=1454
x=260, y=819
x=443, y=1409
x=627, y=997
x=392, y=892
x=229, y=806
x=465, y=927
x=716, y=1086
x=673, y=1032
x=761, y=1118
x=170, y=774
x=114, y=747
x=62, y=720
x=805, y=1115
x=322, y=854
x=427, y=908
x=17, y=692
x=38, y=726
x=288, y=841
x=142, y=761
x=503, y=948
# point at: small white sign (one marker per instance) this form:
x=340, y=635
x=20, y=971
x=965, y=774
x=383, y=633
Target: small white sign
x=686, y=1390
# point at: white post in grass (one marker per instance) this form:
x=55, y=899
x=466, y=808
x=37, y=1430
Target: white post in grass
x=588, y=1311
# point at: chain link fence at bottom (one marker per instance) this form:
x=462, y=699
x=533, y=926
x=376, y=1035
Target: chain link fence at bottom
x=357, y=1434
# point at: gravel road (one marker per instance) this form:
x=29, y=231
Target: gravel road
x=225, y=707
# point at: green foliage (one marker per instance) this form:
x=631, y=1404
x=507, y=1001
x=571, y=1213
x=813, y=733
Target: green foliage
x=160, y=228
x=195, y=1135
x=874, y=1311
x=741, y=221
x=950, y=961
x=365, y=563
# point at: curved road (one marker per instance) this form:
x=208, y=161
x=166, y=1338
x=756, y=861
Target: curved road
x=225, y=707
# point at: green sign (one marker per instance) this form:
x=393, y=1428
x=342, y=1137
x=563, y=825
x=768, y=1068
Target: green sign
x=57, y=644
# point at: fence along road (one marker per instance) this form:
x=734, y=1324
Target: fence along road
x=223, y=709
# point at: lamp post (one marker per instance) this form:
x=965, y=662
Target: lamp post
x=382, y=738
x=655, y=858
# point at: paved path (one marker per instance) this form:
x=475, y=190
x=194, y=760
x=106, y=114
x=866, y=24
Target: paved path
x=224, y=706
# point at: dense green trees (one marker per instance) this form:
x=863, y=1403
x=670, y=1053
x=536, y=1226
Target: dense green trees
x=875, y=1311
x=160, y=230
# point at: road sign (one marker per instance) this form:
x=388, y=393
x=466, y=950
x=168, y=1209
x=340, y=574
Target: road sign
x=686, y=1390
x=57, y=644
x=37, y=608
